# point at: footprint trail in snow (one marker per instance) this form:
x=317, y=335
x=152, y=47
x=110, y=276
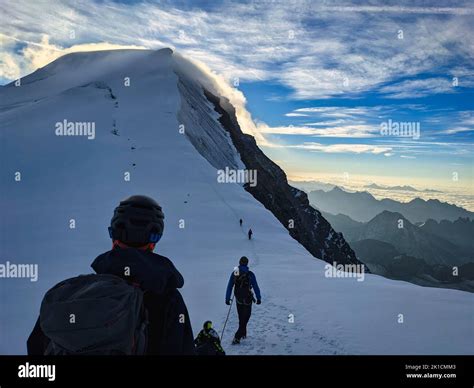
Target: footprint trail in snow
x=271, y=332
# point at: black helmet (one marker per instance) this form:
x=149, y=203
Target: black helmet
x=243, y=260
x=137, y=220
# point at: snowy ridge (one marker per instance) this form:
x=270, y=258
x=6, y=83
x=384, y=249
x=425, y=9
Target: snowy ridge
x=64, y=178
x=202, y=127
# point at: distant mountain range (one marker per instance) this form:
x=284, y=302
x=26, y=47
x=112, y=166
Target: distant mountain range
x=316, y=185
x=400, y=188
x=308, y=186
x=362, y=206
x=431, y=242
x=392, y=246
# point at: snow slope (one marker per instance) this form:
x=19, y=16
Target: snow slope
x=66, y=178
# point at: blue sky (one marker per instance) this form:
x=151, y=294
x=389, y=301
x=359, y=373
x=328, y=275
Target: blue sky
x=320, y=78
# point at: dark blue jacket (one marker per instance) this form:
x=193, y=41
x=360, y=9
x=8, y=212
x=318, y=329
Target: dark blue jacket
x=253, y=283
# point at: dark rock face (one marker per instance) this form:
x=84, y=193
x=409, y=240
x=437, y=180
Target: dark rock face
x=289, y=205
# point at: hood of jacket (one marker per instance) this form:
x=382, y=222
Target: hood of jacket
x=151, y=271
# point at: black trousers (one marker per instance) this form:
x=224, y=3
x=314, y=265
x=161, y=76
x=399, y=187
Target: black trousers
x=244, y=311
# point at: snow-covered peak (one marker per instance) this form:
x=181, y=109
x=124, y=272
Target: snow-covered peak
x=77, y=69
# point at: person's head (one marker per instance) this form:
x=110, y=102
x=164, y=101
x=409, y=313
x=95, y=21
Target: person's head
x=244, y=261
x=137, y=222
x=207, y=326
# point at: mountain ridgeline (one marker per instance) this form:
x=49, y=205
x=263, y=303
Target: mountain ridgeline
x=362, y=206
x=288, y=204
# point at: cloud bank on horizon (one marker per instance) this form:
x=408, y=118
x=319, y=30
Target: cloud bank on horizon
x=337, y=69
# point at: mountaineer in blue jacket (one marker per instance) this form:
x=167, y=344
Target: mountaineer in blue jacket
x=243, y=281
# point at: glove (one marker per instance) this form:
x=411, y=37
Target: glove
x=259, y=301
x=227, y=302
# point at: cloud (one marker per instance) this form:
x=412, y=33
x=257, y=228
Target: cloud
x=337, y=111
x=352, y=131
x=397, y=9
x=418, y=88
x=412, y=148
x=365, y=121
x=318, y=52
x=344, y=148
x=335, y=121
x=331, y=123
x=9, y=68
x=294, y=114
x=36, y=55
x=454, y=130
x=285, y=130
x=464, y=123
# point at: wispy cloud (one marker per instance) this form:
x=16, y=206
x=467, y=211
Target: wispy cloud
x=335, y=121
x=328, y=110
x=364, y=122
x=454, y=130
x=295, y=114
x=345, y=148
x=332, y=123
x=411, y=148
x=355, y=53
x=420, y=88
x=398, y=9
x=352, y=131
x=464, y=124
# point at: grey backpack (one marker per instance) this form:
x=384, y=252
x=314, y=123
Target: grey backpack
x=94, y=314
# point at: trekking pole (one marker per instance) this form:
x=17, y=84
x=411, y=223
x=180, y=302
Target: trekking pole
x=225, y=323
